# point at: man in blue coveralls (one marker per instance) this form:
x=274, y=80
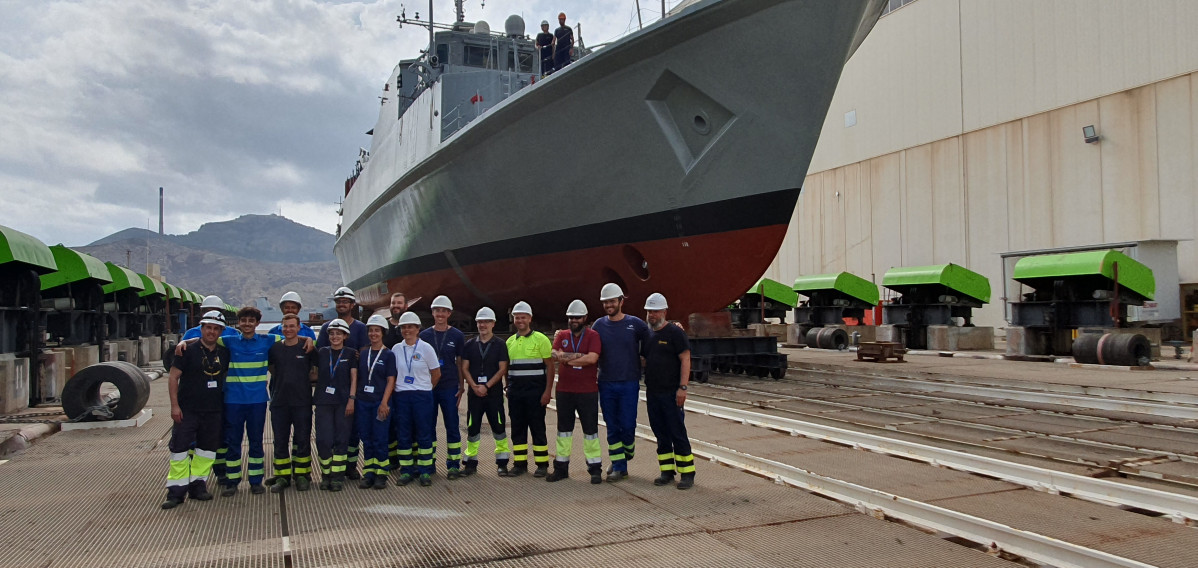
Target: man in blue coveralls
x=211, y=303
x=290, y=304
x=449, y=343
x=623, y=338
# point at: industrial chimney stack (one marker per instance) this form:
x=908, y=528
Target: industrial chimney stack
x=160, y=211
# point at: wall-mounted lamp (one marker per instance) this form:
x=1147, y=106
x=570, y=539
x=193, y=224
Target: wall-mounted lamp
x=1090, y=134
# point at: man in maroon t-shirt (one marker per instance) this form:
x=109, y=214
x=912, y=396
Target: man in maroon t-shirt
x=576, y=351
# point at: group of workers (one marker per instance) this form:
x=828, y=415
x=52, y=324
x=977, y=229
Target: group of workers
x=556, y=48
x=381, y=384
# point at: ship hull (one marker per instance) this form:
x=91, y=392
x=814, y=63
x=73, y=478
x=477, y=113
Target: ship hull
x=669, y=162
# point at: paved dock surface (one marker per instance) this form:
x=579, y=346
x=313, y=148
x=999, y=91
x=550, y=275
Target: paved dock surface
x=90, y=498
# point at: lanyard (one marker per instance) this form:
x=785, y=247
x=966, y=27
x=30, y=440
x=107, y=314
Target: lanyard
x=408, y=359
x=334, y=362
x=573, y=344
x=370, y=362
x=440, y=344
x=483, y=352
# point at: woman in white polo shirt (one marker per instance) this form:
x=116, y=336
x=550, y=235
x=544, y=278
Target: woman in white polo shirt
x=417, y=372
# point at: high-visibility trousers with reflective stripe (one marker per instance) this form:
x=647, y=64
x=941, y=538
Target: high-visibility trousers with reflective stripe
x=528, y=418
x=586, y=407
x=189, y=470
x=446, y=400
x=667, y=421
x=246, y=420
x=375, y=462
x=292, y=427
x=332, y=432
x=414, y=408
x=490, y=406
x=619, y=400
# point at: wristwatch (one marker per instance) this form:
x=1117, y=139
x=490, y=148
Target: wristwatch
x=683, y=387
x=352, y=397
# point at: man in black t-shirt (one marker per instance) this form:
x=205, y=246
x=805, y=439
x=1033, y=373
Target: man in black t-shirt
x=545, y=45
x=484, y=365
x=667, y=372
x=563, y=45
x=197, y=390
x=291, y=407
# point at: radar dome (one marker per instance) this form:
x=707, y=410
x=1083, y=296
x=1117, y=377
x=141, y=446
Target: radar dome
x=482, y=28
x=514, y=26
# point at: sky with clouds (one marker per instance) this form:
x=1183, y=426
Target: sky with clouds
x=233, y=106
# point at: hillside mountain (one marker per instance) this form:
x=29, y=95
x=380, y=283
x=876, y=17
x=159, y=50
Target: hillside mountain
x=239, y=260
x=267, y=238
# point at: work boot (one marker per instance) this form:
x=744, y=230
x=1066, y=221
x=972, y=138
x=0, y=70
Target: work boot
x=229, y=491
x=542, y=470
x=198, y=490
x=560, y=471
x=325, y=483
x=336, y=485
x=257, y=489
x=471, y=468
x=687, y=481
x=380, y=482
x=664, y=479
x=518, y=470
x=596, y=472
x=303, y=484
x=366, y=482
x=616, y=476
x=502, y=471
x=171, y=502
x=453, y=473
x=426, y=480
x=352, y=474
x=280, y=484
x=404, y=479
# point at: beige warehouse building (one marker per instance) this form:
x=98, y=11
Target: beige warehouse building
x=956, y=135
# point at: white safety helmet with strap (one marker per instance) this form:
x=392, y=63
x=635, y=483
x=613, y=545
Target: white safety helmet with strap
x=655, y=301
x=485, y=314
x=576, y=309
x=214, y=317
x=339, y=325
x=290, y=297
x=611, y=291
x=345, y=292
x=212, y=303
x=522, y=308
x=380, y=321
x=442, y=302
x=409, y=318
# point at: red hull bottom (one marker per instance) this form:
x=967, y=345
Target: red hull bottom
x=700, y=273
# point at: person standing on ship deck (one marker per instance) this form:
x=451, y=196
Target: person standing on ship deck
x=336, y=383
x=624, y=338
x=577, y=352
x=376, y=383
x=347, y=305
x=417, y=362
x=291, y=407
x=530, y=384
x=563, y=45
x=545, y=41
x=449, y=343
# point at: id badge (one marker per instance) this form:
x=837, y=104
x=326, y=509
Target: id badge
x=330, y=390
x=212, y=384
x=441, y=361
x=409, y=380
x=577, y=368
x=368, y=388
x=482, y=380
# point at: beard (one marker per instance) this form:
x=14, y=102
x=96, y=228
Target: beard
x=577, y=326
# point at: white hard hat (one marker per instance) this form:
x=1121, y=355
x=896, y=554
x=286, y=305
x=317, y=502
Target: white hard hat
x=577, y=308
x=213, y=303
x=544, y=22
x=214, y=317
x=485, y=314
x=344, y=292
x=290, y=297
x=655, y=301
x=380, y=321
x=408, y=318
x=522, y=308
x=442, y=302
x=610, y=291
x=339, y=325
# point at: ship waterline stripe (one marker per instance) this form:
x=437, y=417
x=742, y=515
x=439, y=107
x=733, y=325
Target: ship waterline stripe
x=747, y=212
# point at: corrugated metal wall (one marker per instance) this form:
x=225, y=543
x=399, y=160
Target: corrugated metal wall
x=968, y=140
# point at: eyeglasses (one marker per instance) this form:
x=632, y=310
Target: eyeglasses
x=572, y=318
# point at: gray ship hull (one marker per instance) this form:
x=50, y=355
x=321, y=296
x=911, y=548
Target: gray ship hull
x=670, y=161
